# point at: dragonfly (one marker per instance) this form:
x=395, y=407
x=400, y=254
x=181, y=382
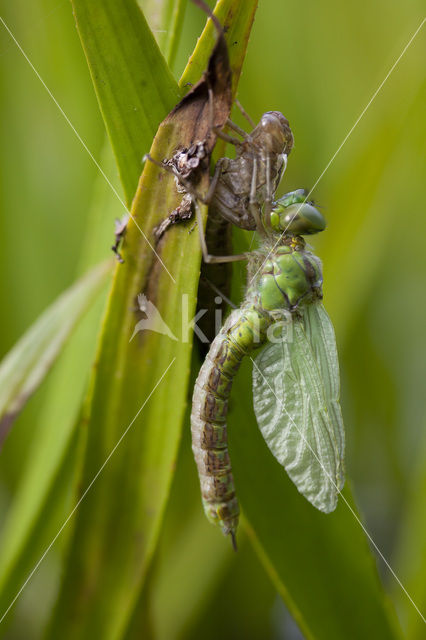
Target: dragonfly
x=295, y=378
x=295, y=375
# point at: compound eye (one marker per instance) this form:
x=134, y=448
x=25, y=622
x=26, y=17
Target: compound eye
x=301, y=219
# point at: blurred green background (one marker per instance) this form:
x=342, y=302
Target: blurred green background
x=320, y=64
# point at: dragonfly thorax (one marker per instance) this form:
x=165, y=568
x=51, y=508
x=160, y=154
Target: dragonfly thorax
x=289, y=277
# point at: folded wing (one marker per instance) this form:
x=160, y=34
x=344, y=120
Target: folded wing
x=296, y=400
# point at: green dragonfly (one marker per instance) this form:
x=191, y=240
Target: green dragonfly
x=295, y=376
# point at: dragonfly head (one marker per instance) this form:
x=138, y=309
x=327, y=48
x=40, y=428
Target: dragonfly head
x=294, y=215
x=273, y=133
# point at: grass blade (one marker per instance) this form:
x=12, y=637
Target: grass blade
x=410, y=556
x=166, y=18
x=133, y=83
x=43, y=498
x=118, y=521
x=24, y=368
x=300, y=545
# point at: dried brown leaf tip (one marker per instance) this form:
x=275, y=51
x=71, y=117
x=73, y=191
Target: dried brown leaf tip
x=187, y=136
x=208, y=104
x=196, y=118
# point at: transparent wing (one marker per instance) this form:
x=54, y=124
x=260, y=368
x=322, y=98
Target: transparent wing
x=296, y=401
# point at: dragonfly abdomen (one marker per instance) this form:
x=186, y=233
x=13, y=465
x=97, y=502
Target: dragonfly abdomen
x=243, y=330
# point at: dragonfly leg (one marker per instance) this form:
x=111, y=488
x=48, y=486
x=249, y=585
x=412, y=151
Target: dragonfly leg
x=205, y=199
x=237, y=129
x=209, y=259
x=213, y=182
x=221, y=134
x=270, y=188
x=217, y=130
x=268, y=196
x=282, y=171
x=224, y=136
x=268, y=178
x=244, y=113
x=253, y=204
x=245, y=136
x=220, y=293
x=185, y=183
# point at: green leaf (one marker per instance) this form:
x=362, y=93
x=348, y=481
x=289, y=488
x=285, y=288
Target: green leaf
x=137, y=401
x=173, y=604
x=410, y=559
x=166, y=23
x=301, y=546
x=43, y=500
x=236, y=18
x=176, y=602
x=134, y=86
x=117, y=523
x=26, y=365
